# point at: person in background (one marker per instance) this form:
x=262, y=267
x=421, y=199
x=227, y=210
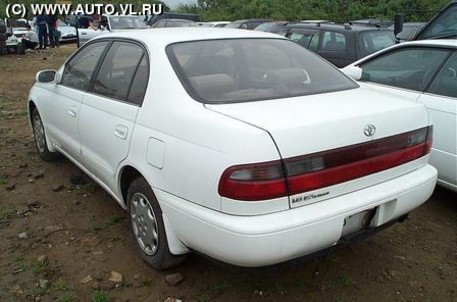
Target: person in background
x=57, y=35
x=42, y=31
x=30, y=39
x=51, y=21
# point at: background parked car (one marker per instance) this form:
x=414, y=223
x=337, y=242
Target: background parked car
x=267, y=26
x=382, y=23
x=410, y=29
x=337, y=43
x=67, y=33
x=215, y=24
x=109, y=24
x=174, y=23
x=171, y=15
x=424, y=71
x=247, y=23
x=327, y=159
x=3, y=37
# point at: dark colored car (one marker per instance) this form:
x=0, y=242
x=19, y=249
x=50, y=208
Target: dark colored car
x=247, y=23
x=383, y=23
x=337, y=43
x=410, y=29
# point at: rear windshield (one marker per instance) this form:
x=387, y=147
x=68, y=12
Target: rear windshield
x=240, y=70
x=372, y=41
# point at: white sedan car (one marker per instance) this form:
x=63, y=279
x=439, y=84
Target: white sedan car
x=424, y=71
x=240, y=145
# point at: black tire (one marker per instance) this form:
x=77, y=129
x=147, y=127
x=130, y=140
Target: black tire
x=146, y=224
x=40, y=138
x=20, y=49
x=3, y=37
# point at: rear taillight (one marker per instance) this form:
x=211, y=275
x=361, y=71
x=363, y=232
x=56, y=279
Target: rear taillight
x=296, y=175
x=254, y=182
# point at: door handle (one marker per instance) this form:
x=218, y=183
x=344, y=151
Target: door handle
x=121, y=131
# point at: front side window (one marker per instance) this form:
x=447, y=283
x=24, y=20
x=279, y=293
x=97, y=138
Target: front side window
x=240, y=70
x=118, y=69
x=410, y=68
x=445, y=82
x=78, y=71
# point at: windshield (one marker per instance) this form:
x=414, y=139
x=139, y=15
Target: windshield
x=127, y=22
x=445, y=25
x=240, y=70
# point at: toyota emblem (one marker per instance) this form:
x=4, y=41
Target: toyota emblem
x=369, y=130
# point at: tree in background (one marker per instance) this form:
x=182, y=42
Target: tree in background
x=293, y=10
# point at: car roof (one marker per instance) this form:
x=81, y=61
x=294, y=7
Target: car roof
x=438, y=42
x=445, y=43
x=335, y=27
x=166, y=36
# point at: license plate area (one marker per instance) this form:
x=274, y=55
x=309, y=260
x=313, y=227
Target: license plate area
x=357, y=222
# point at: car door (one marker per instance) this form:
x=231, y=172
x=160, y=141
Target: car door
x=108, y=114
x=441, y=102
x=335, y=47
x=66, y=99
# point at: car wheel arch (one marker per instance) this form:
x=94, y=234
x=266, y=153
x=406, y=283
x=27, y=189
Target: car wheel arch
x=31, y=107
x=126, y=175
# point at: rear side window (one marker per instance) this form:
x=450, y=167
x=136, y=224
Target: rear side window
x=445, y=82
x=118, y=69
x=78, y=71
x=301, y=38
x=239, y=70
x=333, y=41
x=372, y=41
x=410, y=68
x=140, y=82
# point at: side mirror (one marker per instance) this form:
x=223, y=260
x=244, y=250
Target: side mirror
x=47, y=76
x=398, y=25
x=354, y=72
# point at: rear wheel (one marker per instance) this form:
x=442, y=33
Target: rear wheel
x=40, y=138
x=146, y=224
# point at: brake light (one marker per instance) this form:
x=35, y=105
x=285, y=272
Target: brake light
x=300, y=174
x=254, y=181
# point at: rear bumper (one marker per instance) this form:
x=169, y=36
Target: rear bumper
x=272, y=238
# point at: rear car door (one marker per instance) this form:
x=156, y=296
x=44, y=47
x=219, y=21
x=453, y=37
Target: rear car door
x=108, y=115
x=336, y=48
x=441, y=102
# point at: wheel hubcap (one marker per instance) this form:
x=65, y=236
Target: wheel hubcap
x=144, y=223
x=38, y=131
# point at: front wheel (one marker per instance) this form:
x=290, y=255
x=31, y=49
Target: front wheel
x=40, y=138
x=146, y=224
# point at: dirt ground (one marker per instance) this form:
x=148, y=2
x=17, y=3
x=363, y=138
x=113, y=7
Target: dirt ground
x=62, y=238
